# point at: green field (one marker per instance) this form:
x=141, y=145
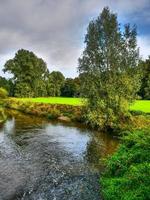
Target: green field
x=54, y=100
x=139, y=105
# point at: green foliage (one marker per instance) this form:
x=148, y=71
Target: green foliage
x=3, y=93
x=4, y=83
x=54, y=114
x=145, y=86
x=29, y=74
x=71, y=88
x=2, y=115
x=54, y=83
x=106, y=69
x=127, y=174
x=23, y=89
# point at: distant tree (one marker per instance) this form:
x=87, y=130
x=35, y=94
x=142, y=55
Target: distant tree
x=29, y=72
x=71, y=88
x=109, y=69
x=54, y=83
x=77, y=82
x=11, y=87
x=145, y=86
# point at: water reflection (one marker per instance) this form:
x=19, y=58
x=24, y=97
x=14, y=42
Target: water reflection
x=50, y=160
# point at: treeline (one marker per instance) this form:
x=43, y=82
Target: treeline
x=144, y=91
x=31, y=78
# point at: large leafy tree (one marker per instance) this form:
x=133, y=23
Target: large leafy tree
x=29, y=74
x=54, y=83
x=109, y=65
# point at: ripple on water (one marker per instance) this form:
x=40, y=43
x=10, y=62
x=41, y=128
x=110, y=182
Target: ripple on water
x=43, y=160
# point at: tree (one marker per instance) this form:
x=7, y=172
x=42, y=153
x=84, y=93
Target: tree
x=71, y=88
x=54, y=83
x=145, y=86
x=107, y=66
x=29, y=72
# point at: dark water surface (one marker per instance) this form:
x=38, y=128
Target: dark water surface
x=42, y=160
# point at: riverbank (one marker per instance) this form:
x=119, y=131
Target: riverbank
x=127, y=172
x=138, y=120
x=62, y=112
x=138, y=105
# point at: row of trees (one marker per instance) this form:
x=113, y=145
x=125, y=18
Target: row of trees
x=144, y=91
x=31, y=78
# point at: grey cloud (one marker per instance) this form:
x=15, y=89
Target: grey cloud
x=54, y=29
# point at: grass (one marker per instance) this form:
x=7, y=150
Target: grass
x=127, y=172
x=139, y=105
x=54, y=100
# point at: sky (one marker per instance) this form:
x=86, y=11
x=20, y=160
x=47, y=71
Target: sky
x=55, y=29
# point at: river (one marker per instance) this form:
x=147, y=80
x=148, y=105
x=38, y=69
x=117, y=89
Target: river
x=43, y=160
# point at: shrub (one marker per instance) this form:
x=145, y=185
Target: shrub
x=137, y=112
x=54, y=114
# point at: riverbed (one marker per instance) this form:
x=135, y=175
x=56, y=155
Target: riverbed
x=48, y=160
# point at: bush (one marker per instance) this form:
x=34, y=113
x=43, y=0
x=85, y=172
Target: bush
x=54, y=114
x=127, y=174
x=3, y=93
x=137, y=112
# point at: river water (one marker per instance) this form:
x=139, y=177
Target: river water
x=41, y=160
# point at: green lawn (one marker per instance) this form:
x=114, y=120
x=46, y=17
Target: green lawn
x=139, y=105
x=55, y=100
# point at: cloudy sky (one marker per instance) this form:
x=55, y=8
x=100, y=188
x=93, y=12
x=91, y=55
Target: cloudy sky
x=55, y=29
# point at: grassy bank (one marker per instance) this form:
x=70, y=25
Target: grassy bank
x=139, y=105
x=126, y=171
x=54, y=100
x=73, y=108
x=127, y=174
x=47, y=110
